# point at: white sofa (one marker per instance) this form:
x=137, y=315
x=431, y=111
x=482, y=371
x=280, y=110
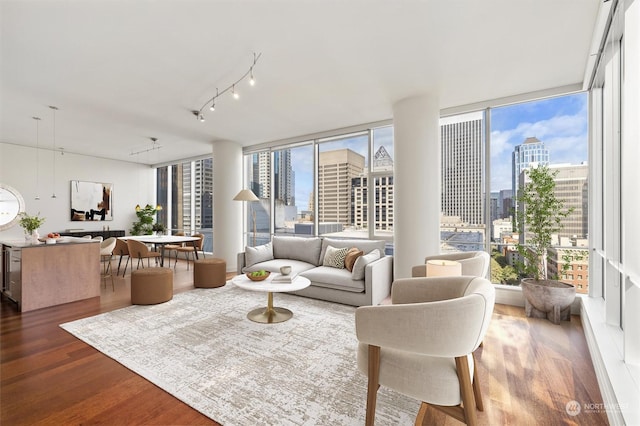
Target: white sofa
x=368, y=284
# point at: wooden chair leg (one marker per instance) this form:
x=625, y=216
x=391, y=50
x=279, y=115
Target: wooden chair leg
x=125, y=266
x=373, y=384
x=422, y=413
x=466, y=389
x=476, y=386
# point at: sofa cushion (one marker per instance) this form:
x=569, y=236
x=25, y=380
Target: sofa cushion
x=362, y=262
x=297, y=266
x=334, y=257
x=253, y=255
x=297, y=248
x=340, y=279
x=365, y=245
x=352, y=255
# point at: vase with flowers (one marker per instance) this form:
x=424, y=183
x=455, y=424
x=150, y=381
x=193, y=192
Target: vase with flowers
x=30, y=224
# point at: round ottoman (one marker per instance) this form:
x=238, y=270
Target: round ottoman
x=151, y=285
x=209, y=273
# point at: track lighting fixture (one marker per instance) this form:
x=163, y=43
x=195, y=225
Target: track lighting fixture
x=212, y=101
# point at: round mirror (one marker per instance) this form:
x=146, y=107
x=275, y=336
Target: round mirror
x=11, y=204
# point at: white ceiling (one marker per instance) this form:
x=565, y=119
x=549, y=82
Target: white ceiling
x=121, y=72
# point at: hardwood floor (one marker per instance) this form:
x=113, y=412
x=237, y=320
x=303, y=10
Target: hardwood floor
x=529, y=370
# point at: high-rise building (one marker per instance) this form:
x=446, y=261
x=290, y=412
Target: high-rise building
x=284, y=177
x=261, y=168
x=572, y=188
x=462, y=141
x=531, y=151
x=383, y=194
x=505, y=203
x=336, y=170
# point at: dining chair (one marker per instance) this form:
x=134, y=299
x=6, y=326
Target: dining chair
x=191, y=248
x=140, y=251
x=106, y=253
x=174, y=247
x=122, y=249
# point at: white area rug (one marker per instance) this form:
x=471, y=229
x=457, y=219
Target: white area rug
x=201, y=348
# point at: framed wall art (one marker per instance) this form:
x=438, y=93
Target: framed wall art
x=91, y=201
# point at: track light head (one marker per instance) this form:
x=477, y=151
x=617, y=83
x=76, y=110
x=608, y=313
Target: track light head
x=235, y=94
x=252, y=81
x=213, y=106
x=198, y=115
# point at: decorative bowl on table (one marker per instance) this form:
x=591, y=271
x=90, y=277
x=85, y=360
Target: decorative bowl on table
x=262, y=277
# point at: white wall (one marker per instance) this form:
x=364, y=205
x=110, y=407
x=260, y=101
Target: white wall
x=132, y=184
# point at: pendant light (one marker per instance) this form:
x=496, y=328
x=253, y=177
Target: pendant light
x=54, y=109
x=37, y=120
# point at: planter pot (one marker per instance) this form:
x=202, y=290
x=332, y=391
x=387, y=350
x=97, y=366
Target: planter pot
x=548, y=299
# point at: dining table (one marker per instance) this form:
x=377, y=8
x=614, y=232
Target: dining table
x=162, y=240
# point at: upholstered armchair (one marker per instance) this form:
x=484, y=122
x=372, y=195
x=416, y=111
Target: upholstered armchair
x=422, y=344
x=475, y=263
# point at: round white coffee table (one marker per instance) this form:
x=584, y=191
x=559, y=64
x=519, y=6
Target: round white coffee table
x=270, y=314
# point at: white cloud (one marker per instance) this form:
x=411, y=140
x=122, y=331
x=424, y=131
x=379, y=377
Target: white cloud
x=565, y=136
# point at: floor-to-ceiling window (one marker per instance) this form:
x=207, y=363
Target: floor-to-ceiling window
x=293, y=190
x=484, y=154
x=612, y=314
x=185, y=193
x=343, y=163
x=335, y=185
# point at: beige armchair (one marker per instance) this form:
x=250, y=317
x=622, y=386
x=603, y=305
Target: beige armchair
x=422, y=344
x=474, y=263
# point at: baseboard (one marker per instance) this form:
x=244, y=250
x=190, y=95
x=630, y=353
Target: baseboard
x=509, y=295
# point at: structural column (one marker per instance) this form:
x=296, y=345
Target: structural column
x=227, y=214
x=416, y=173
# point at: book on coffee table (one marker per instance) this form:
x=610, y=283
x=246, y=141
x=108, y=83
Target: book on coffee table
x=284, y=279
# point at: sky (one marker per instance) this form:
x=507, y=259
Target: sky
x=560, y=122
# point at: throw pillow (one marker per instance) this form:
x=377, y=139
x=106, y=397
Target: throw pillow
x=253, y=255
x=334, y=257
x=352, y=255
x=362, y=262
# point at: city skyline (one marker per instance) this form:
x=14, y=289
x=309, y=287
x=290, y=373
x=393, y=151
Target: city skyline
x=559, y=122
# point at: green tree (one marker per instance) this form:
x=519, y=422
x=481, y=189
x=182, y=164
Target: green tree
x=541, y=217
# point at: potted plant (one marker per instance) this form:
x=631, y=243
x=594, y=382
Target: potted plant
x=144, y=225
x=30, y=224
x=159, y=228
x=539, y=217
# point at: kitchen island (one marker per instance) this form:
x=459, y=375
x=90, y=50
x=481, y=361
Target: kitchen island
x=40, y=275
